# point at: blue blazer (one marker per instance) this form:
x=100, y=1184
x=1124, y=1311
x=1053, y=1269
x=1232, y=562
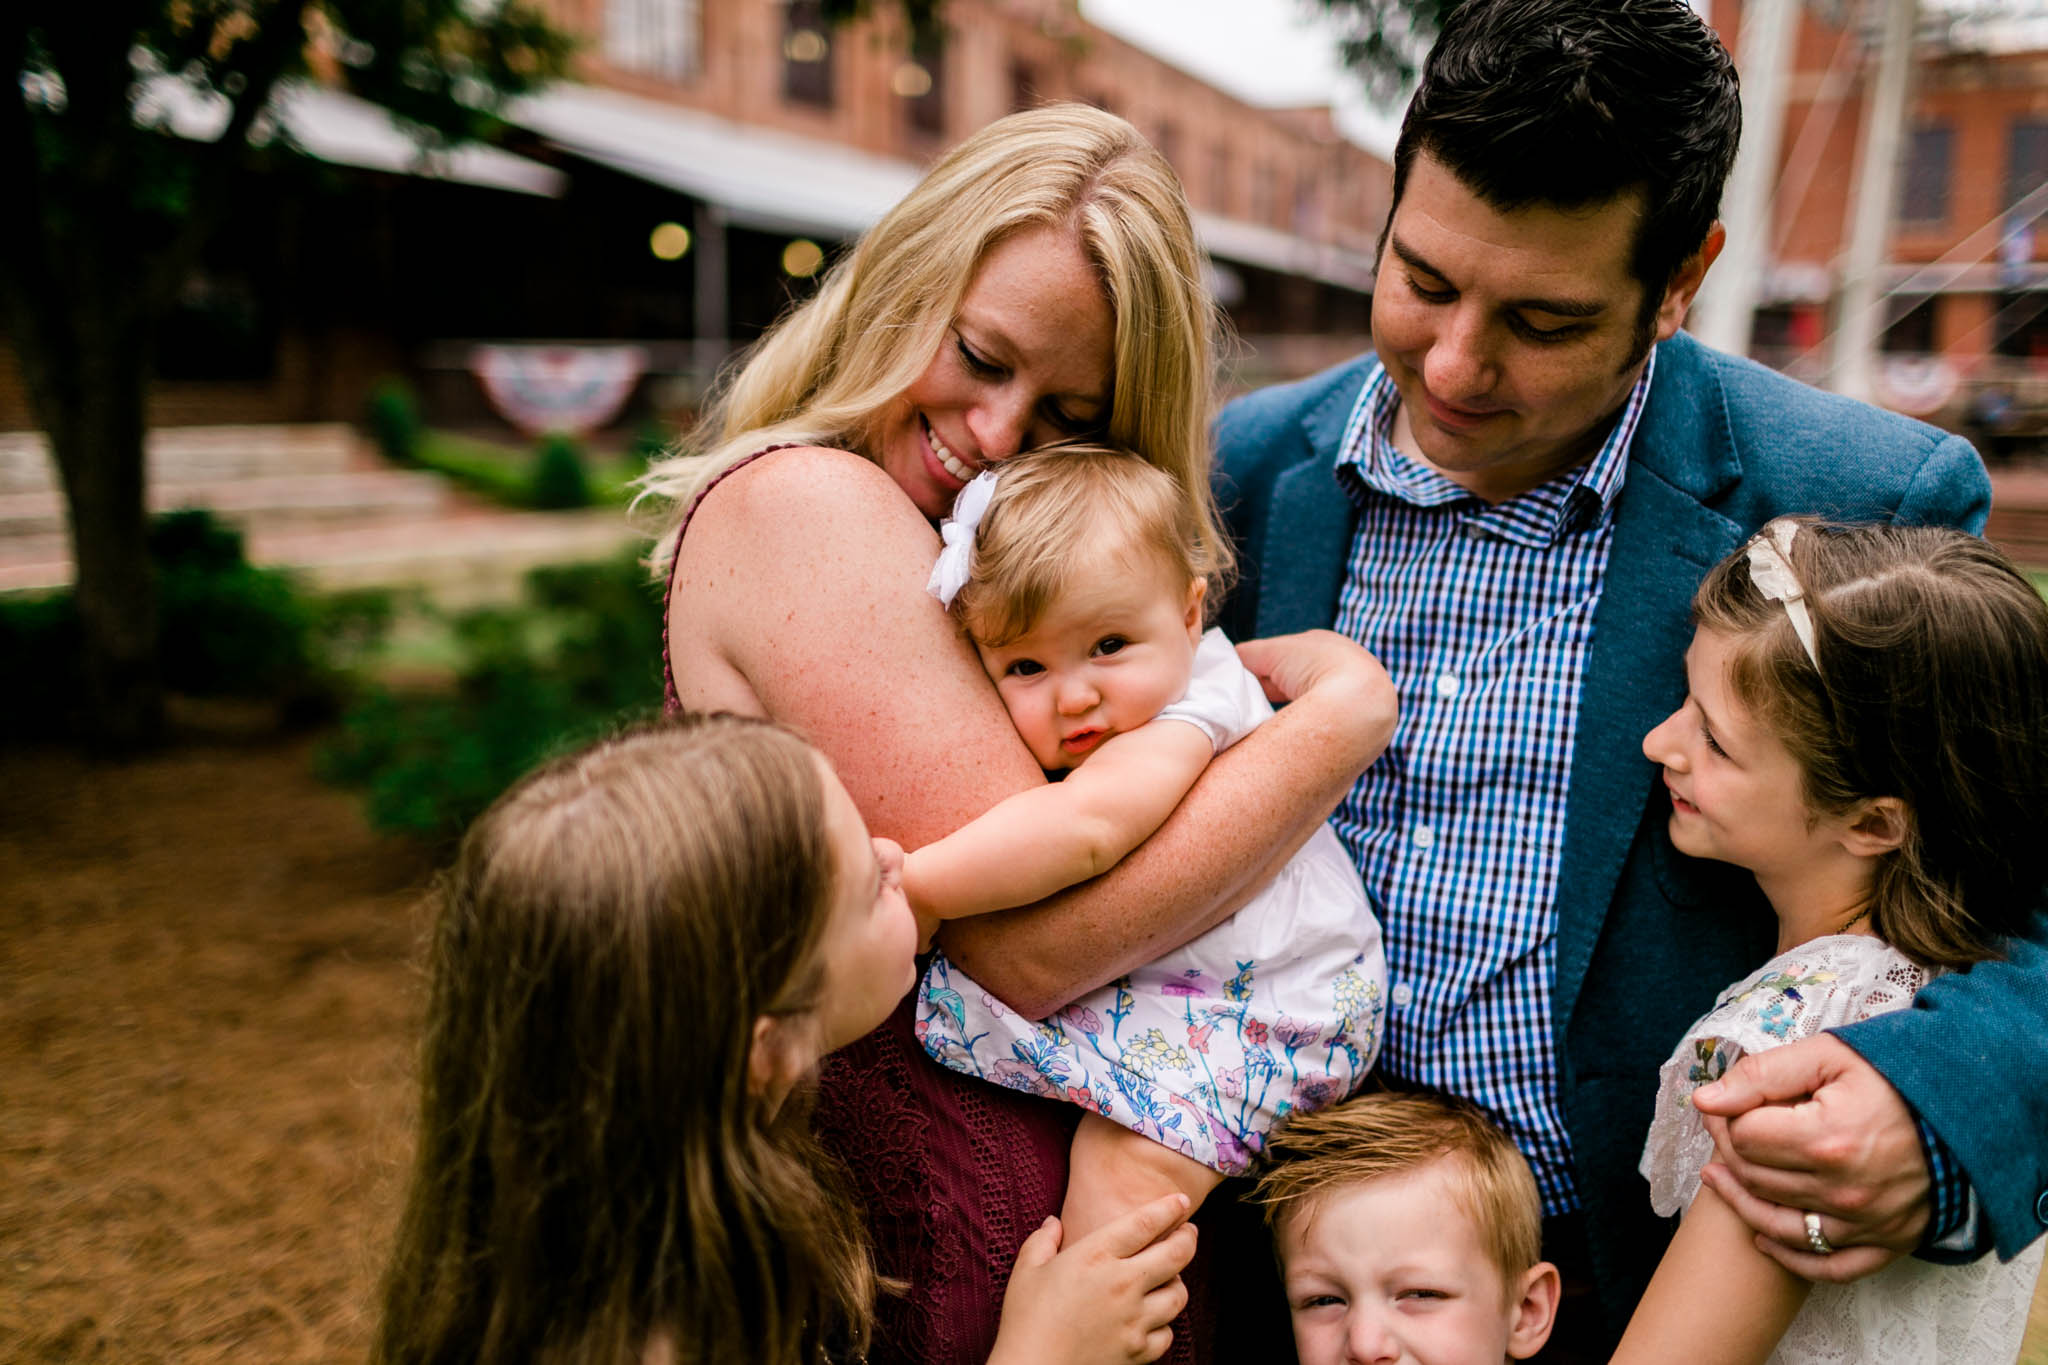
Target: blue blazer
x=1645, y=935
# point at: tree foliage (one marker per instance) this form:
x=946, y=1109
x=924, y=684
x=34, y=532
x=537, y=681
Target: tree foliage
x=1384, y=41
x=109, y=209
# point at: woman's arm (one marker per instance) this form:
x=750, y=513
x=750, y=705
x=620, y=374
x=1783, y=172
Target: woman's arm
x=1253, y=808
x=1048, y=838
x=1715, y=1299
x=802, y=580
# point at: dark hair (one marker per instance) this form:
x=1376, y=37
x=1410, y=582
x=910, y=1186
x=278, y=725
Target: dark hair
x=1573, y=102
x=1931, y=686
x=594, y=1170
x=1391, y=1133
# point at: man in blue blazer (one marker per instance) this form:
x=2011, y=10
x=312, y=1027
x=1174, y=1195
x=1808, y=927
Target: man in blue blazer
x=1532, y=422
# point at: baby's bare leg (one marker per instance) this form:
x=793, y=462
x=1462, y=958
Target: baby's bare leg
x=1113, y=1171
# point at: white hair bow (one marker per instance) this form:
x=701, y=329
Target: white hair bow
x=1770, y=569
x=956, y=557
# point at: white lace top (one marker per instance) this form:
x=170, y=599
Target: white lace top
x=1912, y=1311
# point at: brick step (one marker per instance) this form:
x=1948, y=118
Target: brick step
x=464, y=559
x=263, y=502
x=199, y=454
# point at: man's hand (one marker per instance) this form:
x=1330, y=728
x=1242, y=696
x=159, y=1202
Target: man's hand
x=1105, y=1300
x=1813, y=1128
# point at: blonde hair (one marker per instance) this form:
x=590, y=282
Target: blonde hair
x=1931, y=687
x=1054, y=512
x=829, y=371
x=594, y=1170
x=1387, y=1133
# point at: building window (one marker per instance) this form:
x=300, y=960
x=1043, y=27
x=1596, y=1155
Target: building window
x=1923, y=197
x=1024, y=92
x=1167, y=140
x=218, y=329
x=806, y=54
x=1220, y=197
x=659, y=37
x=921, y=82
x=1909, y=329
x=2026, y=159
x=1266, y=195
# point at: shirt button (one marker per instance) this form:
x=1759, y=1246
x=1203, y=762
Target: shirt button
x=1402, y=994
x=1423, y=837
x=1447, y=685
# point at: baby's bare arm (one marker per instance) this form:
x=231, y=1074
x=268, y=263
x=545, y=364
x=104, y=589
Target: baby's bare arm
x=1048, y=838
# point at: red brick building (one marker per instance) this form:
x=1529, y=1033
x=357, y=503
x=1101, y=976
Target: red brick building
x=761, y=132
x=1967, y=273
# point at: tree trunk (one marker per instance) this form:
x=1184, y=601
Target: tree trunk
x=100, y=453
x=88, y=377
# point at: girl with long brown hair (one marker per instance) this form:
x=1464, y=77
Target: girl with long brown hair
x=643, y=951
x=1867, y=734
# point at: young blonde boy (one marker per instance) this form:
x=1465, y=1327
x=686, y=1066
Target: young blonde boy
x=1408, y=1229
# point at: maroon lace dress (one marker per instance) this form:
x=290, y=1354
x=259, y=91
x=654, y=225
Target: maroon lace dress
x=956, y=1173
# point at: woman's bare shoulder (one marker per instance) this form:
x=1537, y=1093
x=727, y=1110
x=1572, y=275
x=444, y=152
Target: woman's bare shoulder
x=788, y=484
x=804, y=512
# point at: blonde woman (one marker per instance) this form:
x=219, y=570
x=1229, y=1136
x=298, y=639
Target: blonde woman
x=1041, y=283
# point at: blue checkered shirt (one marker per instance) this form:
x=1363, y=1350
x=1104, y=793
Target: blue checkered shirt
x=1483, y=616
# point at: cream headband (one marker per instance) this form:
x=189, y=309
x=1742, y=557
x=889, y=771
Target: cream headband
x=1770, y=569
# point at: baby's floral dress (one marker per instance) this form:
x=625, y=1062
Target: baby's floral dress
x=1278, y=1008
x=1912, y=1311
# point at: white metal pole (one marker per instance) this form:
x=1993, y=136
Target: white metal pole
x=1726, y=308
x=1857, y=324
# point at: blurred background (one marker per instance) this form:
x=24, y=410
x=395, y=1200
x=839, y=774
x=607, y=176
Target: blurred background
x=335, y=336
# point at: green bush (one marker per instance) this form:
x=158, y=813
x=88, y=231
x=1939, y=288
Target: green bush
x=651, y=442
x=579, y=656
x=394, y=418
x=559, y=480
x=227, y=629
x=43, y=680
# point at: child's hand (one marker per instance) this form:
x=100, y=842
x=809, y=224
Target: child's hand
x=1107, y=1298
x=914, y=884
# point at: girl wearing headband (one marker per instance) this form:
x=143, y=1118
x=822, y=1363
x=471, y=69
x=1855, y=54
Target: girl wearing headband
x=1867, y=733
x=1081, y=577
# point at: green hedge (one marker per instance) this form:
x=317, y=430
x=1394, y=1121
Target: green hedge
x=227, y=629
x=582, y=654
x=557, y=473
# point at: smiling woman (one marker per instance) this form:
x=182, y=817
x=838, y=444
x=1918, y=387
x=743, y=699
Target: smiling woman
x=1042, y=282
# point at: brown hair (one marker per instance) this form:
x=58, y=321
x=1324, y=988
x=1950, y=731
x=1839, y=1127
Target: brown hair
x=1385, y=1133
x=1932, y=687
x=1054, y=512
x=594, y=1171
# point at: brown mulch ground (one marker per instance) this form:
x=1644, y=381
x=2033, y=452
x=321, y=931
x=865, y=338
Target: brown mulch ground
x=207, y=1010
x=207, y=1005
